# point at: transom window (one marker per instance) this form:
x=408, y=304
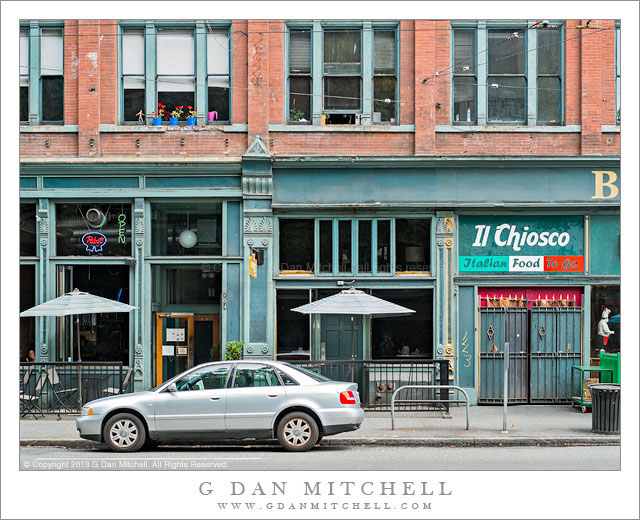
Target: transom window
x=507, y=75
x=356, y=247
x=353, y=82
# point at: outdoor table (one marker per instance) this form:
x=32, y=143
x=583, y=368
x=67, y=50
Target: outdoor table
x=582, y=369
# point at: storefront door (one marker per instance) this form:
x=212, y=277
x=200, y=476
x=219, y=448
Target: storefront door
x=338, y=333
x=174, y=344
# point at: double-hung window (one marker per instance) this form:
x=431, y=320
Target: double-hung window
x=133, y=74
x=464, y=76
x=175, y=68
x=24, y=75
x=218, y=85
x=300, y=85
x=52, y=74
x=507, y=73
x=507, y=76
x=618, y=56
x=342, y=74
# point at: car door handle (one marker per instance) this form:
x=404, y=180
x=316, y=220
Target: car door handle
x=273, y=395
x=214, y=398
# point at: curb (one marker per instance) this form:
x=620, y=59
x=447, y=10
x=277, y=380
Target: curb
x=457, y=442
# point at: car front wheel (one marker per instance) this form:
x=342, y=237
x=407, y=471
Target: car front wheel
x=124, y=432
x=297, y=431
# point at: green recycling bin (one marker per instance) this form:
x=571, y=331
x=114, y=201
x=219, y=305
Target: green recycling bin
x=605, y=408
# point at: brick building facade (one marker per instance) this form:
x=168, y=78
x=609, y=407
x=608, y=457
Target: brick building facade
x=370, y=151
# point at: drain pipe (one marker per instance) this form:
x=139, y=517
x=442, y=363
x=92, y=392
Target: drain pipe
x=505, y=391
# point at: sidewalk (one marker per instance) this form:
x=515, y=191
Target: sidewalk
x=527, y=425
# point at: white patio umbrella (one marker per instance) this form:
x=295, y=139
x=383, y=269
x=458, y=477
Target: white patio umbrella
x=75, y=303
x=354, y=302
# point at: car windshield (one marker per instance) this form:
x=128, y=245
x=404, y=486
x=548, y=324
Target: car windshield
x=309, y=373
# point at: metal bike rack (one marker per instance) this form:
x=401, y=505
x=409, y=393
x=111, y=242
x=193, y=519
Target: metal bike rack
x=452, y=387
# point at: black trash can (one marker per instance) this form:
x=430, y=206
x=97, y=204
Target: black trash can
x=605, y=408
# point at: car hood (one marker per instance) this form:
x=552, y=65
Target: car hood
x=122, y=399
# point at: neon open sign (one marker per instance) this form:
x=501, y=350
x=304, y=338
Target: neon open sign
x=94, y=241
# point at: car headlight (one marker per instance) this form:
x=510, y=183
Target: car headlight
x=86, y=410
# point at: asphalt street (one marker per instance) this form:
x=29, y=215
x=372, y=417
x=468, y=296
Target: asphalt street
x=335, y=458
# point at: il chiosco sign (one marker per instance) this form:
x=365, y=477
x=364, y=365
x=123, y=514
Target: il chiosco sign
x=521, y=244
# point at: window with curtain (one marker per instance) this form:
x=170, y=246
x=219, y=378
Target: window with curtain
x=175, y=69
x=464, y=76
x=133, y=74
x=52, y=75
x=300, y=85
x=549, y=78
x=507, y=79
x=218, y=44
x=24, y=75
x=384, y=76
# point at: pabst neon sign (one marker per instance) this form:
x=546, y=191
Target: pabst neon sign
x=94, y=241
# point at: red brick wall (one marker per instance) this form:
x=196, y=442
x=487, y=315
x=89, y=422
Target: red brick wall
x=259, y=87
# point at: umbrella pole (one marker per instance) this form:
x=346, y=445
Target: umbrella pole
x=352, y=349
x=79, y=361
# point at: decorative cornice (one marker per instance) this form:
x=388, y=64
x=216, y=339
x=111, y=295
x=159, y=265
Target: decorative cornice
x=262, y=225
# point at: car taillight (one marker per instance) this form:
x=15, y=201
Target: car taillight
x=347, y=397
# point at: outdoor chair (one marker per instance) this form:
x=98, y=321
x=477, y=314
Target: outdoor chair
x=63, y=396
x=112, y=390
x=30, y=399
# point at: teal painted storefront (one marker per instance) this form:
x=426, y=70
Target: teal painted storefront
x=259, y=193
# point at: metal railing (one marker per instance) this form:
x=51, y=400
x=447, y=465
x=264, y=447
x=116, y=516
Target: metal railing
x=378, y=379
x=62, y=388
x=449, y=401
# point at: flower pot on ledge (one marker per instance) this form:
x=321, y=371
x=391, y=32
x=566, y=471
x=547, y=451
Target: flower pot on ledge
x=191, y=121
x=173, y=121
x=157, y=121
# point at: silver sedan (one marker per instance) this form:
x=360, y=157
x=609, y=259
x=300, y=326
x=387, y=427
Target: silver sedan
x=227, y=400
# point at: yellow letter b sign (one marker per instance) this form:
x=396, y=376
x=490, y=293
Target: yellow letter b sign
x=601, y=184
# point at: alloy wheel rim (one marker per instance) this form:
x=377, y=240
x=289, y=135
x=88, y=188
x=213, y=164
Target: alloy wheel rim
x=124, y=433
x=297, y=432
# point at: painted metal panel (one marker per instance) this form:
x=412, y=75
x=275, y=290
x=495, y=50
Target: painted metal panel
x=258, y=304
x=28, y=183
x=466, y=344
x=231, y=303
x=232, y=223
x=93, y=183
x=193, y=182
x=604, y=244
x=453, y=184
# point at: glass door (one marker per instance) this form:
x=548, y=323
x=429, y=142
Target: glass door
x=174, y=344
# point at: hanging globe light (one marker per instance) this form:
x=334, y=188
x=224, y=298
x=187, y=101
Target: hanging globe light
x=187, y=239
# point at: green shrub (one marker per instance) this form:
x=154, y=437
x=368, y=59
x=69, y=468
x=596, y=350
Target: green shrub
x=233, y=350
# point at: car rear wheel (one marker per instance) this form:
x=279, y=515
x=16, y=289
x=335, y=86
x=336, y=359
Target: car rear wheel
x=124, y=432
x=297, y=431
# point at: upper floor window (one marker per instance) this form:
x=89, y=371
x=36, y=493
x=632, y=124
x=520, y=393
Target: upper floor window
x=133, y=74
x=41, y=74
x=24, y=75
x=182, y=55
x=357, y=75
x=356, y=247
x=507, y=75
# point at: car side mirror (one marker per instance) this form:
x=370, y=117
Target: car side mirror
x=172, y=388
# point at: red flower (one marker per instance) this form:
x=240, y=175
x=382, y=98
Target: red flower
x=180, y=107
x=188, y=106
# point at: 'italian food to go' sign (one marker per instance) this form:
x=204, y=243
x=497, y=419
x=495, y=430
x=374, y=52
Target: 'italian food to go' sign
x=549, y=244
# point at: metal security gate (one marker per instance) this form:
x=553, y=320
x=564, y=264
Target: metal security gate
x=555, y=348
x=499, y=325
x=545, y=341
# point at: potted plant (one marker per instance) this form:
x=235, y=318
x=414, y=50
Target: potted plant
x=176, y=113
x=157, y=118
x=296, y=115
x=233, y=351
x=191, y=116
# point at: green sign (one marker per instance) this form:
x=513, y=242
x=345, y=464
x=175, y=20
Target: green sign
x=521, y=244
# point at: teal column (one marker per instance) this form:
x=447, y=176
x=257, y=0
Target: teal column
x=482, y=72
x=34, y=73
x=141, y=364
x=316, y=68
x=367, y=73
x=444, y=289
x=586, y=323
x=532, y=76
x=201, y=73
x=151, y=98
x=45, y=334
